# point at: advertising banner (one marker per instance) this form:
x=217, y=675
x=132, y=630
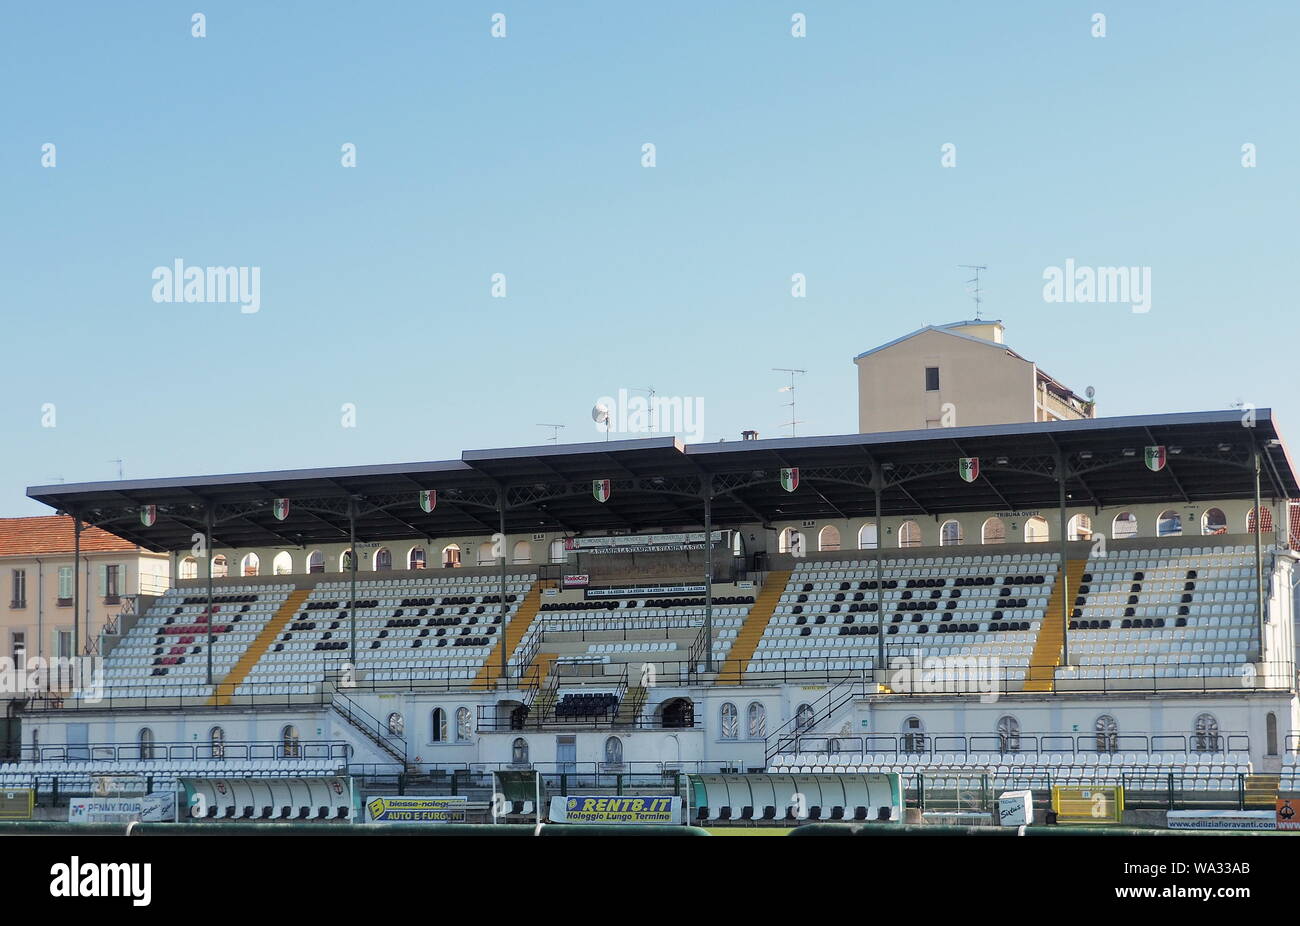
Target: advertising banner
x=606, y=809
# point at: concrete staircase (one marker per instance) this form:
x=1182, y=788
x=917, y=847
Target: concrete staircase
x=1051, y=633
x=760, y=615
x=224, y=690
x=490, y=672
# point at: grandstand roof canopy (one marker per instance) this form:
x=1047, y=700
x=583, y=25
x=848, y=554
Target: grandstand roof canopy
x=656, y=482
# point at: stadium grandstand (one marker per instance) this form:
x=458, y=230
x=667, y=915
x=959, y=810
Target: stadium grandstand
x=1082, y=601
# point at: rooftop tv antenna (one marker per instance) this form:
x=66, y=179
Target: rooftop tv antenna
x=650, y=401
x=555, y=432
x=976, y=293
x=600, y=415
x=793, y=422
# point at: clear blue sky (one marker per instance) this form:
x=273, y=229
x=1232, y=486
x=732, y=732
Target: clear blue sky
x=522, y=156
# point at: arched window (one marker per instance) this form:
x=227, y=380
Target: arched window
x=1107, y=731
x=559, y=552
x=1124, y=526
x=737, y=543
x=439, y=725
x=1008, y=734
x=790, y=541
x=914, y=735
x=867, y=537
x=345, y=561
x=1265, y=519
x=415, y=559
x=1214, y=521
x=804, y=718
x=485, y=557
x=993, y=531
x=950, y=534
x=464, y=727
x=523, y=553
x=220, y=568
x=451, y=556
x=1270, y=734
x=1169, y=524
x=909, y=534
x=1079, y=527
x=613, y=751
x=519, y=751
x=316, y=561
x=217, y=742
x=146, y=743
x=250, y=565
x=383, y=560
x=188, y=569
x=289, y=742
x=1206, y=734
x=282, y=565
x=828, y=539
x=757, y=720
x=1036, y=530
x=395, y=724
x=730, y=721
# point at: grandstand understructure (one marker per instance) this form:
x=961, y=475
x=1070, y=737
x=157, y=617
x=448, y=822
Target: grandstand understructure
x=1074, y=613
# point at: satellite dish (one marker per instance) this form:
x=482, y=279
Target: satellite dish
x=600, y=413
x=1090, y=392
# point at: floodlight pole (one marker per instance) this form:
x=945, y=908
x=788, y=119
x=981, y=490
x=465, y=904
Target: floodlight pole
x=352, y=563
x=207, y=540
x=708, y=571
x=501, y=527
x=1065, y=578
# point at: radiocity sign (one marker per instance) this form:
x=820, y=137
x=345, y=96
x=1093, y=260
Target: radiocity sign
x=635, y=810
x=416, y=809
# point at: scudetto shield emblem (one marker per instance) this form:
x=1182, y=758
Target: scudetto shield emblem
x=602, y=489
x=968, y=468
x=428, y=500
x=1155, y=457
x=148, y=515
x=790, y=478
x=280, y=509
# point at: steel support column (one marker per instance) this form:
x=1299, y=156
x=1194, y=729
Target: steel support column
x=708, y=572
x=352, y=604
x=207, y=541
x=880, y=581
x=76, y=585
x=1261, y=612
x=1065, y=540
x=501, y=536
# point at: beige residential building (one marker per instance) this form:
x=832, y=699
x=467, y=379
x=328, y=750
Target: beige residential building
x=36, y=587
x=960, y=374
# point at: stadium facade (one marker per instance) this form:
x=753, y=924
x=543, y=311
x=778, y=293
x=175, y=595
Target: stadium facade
x=1081, y=598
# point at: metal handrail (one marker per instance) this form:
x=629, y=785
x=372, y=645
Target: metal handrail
x=909, y=746
x=180, y=751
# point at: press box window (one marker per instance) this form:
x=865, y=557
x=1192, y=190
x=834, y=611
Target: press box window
x=931, y=379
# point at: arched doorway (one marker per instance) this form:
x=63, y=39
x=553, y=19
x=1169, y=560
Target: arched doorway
x=678, y=713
